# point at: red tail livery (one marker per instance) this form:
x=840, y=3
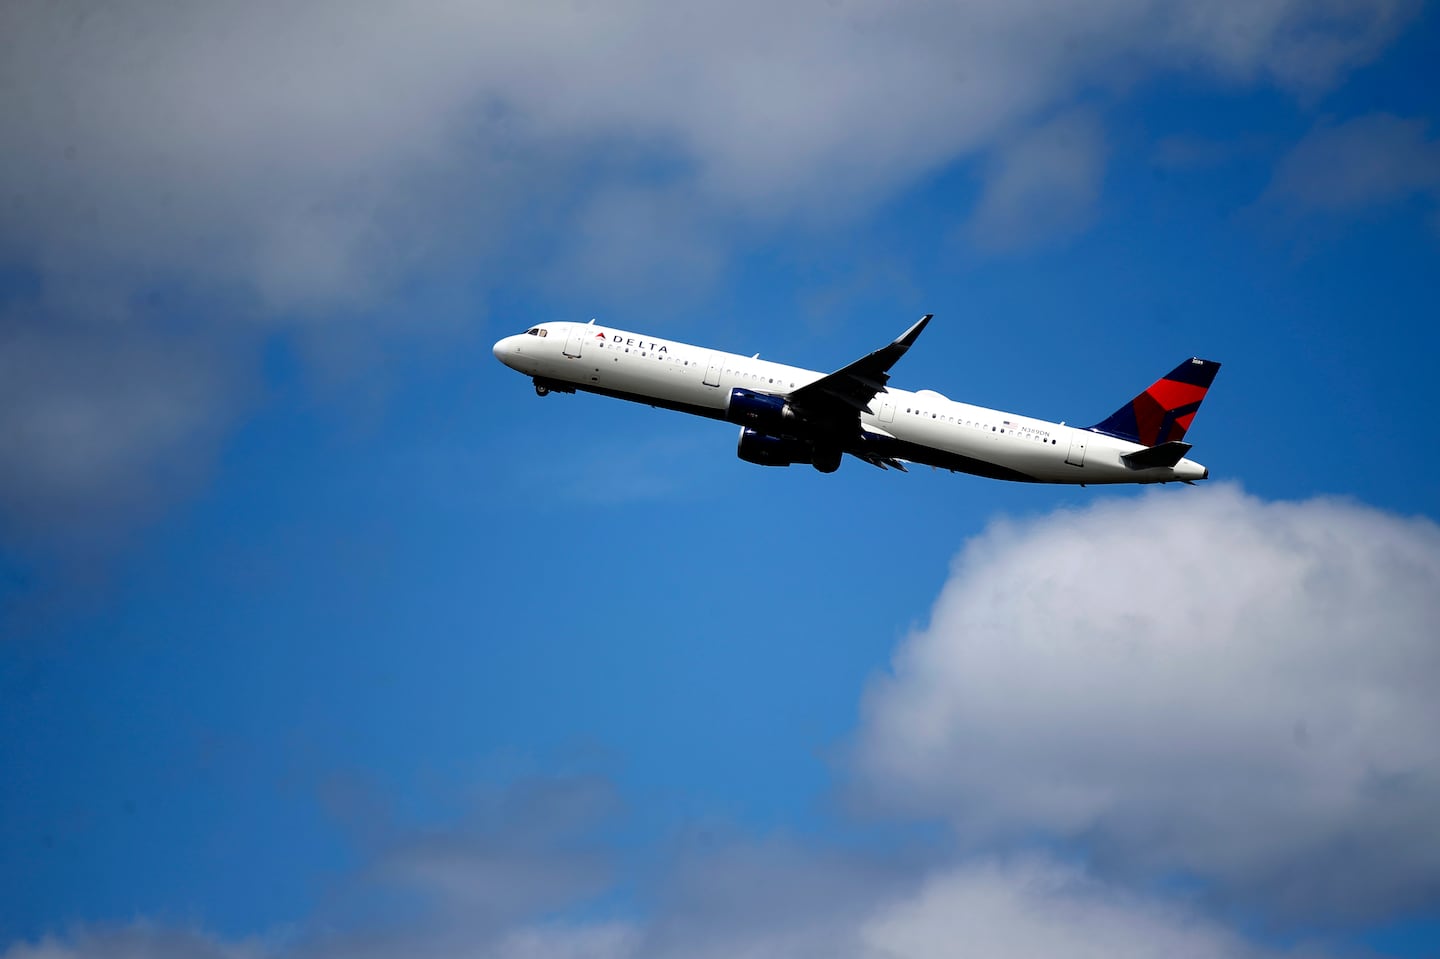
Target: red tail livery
x=1163, y=412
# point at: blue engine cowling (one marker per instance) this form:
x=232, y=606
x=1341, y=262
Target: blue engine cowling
x=767, y=450
x=762, y=412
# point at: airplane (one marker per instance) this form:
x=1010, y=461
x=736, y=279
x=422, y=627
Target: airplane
x=789, y=415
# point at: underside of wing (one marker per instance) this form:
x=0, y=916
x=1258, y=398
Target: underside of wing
x=878, y=448
x=884, y=462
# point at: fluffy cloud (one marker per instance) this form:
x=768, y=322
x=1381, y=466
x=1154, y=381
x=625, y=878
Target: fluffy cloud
x=309, y=152
x=1191, y=683
x=1042, y=185
x=283, y=163
x=997, y=909
x=1038, y=908
x=1205, y=684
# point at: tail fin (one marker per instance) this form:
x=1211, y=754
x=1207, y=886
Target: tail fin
x=1163, y=413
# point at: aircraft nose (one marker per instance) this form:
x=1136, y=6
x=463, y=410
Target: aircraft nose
x=505, y=349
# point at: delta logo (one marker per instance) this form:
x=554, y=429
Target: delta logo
x=615, y=339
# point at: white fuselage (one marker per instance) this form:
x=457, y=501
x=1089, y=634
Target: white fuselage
x=927, y=427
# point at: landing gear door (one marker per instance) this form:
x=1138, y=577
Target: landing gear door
x=712, y=372
x=575, y=340
x=1076, y=456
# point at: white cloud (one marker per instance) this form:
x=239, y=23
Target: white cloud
x=139, y=941
x=1366, y=162
x=91, y=415
x=1190, y=683
x=300, y=150
x=1038, y=908
x=1042, y=185
x=1302, y=47
x=1203, y=683
x=773, y=900
x=632, y=241
x=516, y=855
x=1023, y=908
x=291, y=162
x=607, y=940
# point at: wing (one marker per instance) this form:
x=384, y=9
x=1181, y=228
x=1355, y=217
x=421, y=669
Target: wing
x=837, y=400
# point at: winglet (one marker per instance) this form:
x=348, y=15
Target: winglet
x=888, y=355
x=908, y=338
x=848, y=391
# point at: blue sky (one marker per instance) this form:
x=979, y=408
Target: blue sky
x=321, y=634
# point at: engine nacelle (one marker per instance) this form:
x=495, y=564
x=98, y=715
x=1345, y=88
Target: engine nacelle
x=767, y=450
x=761, y=412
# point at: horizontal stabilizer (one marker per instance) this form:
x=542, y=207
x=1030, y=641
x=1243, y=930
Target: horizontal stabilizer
x=1165, y=455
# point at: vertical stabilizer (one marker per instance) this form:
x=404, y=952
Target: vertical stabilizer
x=1163, y=412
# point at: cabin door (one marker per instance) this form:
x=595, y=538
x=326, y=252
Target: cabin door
x=575, y=341
x=712, y=372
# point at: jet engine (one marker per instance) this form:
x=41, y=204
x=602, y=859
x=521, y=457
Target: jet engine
x=767, y=450
x=763, y=412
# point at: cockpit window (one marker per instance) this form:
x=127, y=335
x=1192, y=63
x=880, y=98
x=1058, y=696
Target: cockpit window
x=533, y=331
